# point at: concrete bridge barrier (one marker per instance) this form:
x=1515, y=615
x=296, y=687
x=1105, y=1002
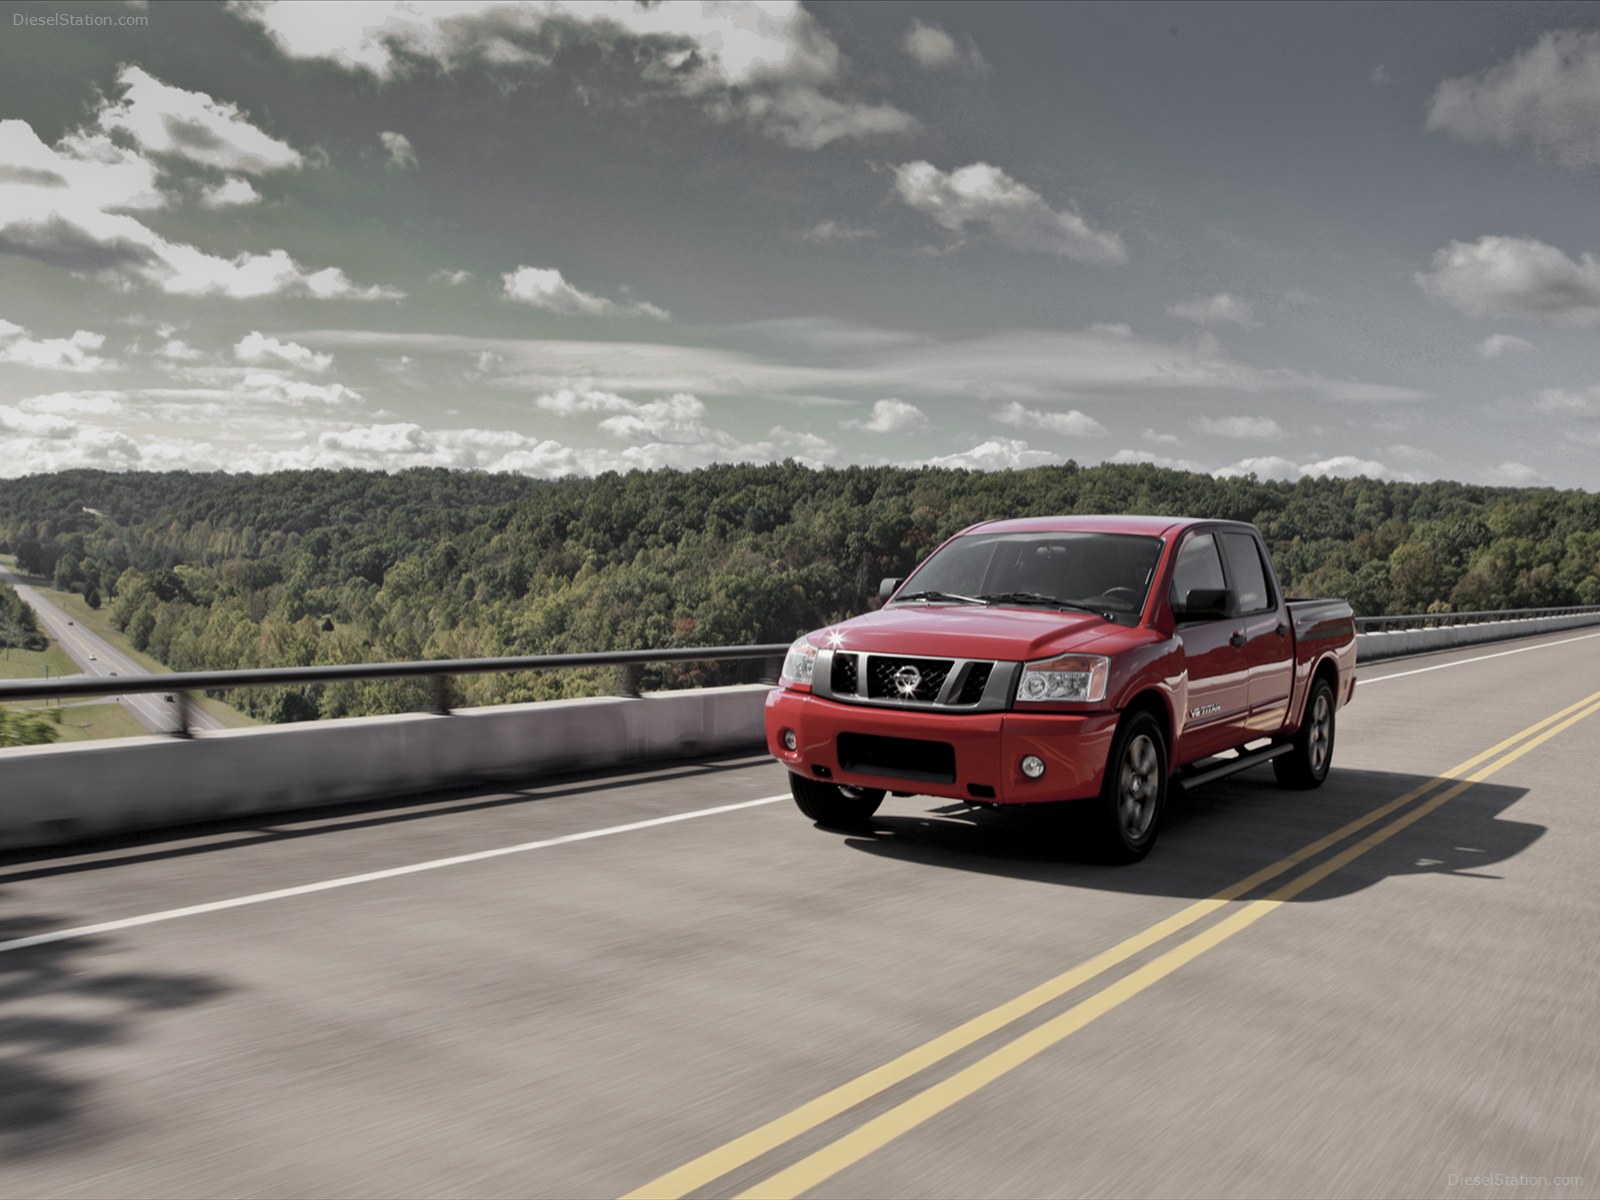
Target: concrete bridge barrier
x=65, y=793
x=1372, y=647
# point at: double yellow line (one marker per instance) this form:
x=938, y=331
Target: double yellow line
x=878, y=1131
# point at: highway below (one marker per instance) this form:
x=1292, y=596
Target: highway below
x=97, y=657
x=666, y=982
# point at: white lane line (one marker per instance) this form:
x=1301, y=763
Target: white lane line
x=1461, y=662
x=328, y=885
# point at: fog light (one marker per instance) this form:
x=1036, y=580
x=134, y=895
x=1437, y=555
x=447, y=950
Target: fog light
x=788, y=739
x=1033, y=766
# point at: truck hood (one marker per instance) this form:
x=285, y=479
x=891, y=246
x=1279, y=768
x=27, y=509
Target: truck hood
x=967, y=631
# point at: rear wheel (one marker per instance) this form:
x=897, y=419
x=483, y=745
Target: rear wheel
x=1127, y=815
x=832, y=804
x=1306, y=765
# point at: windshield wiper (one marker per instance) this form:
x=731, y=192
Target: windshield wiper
x=1037, y=598
x=939, y=596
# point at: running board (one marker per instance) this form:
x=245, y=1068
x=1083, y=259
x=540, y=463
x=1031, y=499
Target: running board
x=1233, y=766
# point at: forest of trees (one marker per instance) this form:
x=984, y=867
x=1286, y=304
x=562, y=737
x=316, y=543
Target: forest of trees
x=218, y=571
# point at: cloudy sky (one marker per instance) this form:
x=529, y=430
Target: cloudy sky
x=566, y=237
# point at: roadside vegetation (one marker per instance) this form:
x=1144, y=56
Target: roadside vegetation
x=216, y=571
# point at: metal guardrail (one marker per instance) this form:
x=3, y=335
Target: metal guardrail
x=181, y=683
x=1394, y=624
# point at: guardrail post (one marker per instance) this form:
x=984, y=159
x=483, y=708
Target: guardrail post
x=771, y=668
x=441, y=695
x=182, y=731
x=628, y=680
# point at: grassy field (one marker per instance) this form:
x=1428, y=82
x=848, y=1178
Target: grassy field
x=98, y=621
x=50, y=663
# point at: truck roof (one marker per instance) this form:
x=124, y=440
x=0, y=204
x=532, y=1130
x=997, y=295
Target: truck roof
x=1092, y=523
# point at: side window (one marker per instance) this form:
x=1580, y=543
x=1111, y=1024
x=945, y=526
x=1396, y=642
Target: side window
x=1198, y=567
x=1249, y=576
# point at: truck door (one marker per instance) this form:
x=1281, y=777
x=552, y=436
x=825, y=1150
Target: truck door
x=1268, y=646
x=1218, y=695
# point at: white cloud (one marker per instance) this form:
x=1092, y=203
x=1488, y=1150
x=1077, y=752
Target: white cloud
x=1224, y=308
x=1273, y=466
x=274, y=387
x=1161, y=439
x=1017, y=216
x=570, y=401
x=1415, y=454
x=1547, y=95
x=997, y=454
x=1515, y=277
x=807, y=119
x=891, y=416
x=1496, y=345
x=75, y=353
x=450, y=278
x=544, y=287
x=1144, y=457
x=1301, y=298
x=765, y=64
x=75, y=404
x=1269, y=466
x=1254, y=428
x=1346, y=466
x=1071, y=423
x=678, y=418
x=71, y=205
x=1559, y=400
x=1381, y=74
x=177, y=350
x=803, y=447
x=168, y=120
x=935, y=50
x=1119, y=329
x=256, y=347
x=827, y=233
x=1036, y=367
x=1515, y=473
x=402, y=156
x=230, y=193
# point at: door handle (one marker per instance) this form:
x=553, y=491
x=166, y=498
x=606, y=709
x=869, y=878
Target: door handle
x=1237, y=639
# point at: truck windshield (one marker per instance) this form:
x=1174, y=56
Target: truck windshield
x=1107, y=573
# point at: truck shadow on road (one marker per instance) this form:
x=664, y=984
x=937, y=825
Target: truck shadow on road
x=63, y=1016
x=1219, y=836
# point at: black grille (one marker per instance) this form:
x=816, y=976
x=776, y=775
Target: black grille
x=977, y=679
x=844, y=674
x=898, y=758
x=890, y=678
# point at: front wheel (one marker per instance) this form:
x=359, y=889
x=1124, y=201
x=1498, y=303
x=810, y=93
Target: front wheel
x=1127, y=815
x=1306, y=765
x=831, y=804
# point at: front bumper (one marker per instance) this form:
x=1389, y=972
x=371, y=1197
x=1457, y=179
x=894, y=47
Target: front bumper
x=974, y=757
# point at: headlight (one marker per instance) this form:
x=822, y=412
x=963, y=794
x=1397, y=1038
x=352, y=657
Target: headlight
x=1080, y=677
x=799, y=663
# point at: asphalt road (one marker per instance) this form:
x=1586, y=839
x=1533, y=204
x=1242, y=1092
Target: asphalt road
x=668, y=980
x=97, y=657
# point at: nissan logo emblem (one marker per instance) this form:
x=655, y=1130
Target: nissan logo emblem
x=907, y=680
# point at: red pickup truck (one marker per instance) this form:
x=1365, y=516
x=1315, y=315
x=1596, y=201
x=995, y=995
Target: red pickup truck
x=1095, y=659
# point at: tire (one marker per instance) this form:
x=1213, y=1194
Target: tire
x=833, y=805
x=1306, y=765
x=1126, y=818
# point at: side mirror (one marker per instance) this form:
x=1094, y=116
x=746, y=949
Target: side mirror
x=1205, y=604
x=888, y=588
